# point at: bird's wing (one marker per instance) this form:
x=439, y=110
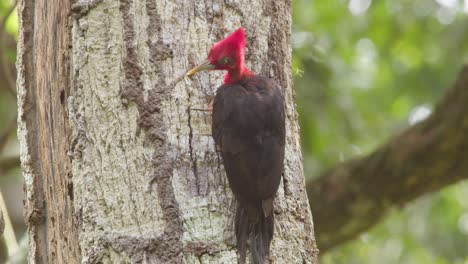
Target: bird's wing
x=224, y=109
x=248, y=125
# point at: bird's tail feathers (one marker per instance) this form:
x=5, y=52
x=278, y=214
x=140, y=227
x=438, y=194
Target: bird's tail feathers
x=252, y=225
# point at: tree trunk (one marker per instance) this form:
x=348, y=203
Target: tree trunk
x=119, y=166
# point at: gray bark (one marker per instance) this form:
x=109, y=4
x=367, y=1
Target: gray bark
x=118, y=166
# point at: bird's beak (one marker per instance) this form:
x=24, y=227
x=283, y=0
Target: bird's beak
x=206, y=65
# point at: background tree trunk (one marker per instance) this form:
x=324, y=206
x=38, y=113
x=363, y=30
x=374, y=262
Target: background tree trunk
x=118, y=165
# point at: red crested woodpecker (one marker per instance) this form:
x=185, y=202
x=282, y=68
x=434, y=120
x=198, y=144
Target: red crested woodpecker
x=248, y=127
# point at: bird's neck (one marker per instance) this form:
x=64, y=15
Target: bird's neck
x=237, y=74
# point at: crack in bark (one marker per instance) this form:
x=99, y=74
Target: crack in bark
x=193, y=157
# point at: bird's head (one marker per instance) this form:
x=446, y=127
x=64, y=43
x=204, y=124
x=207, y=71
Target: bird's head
x=227, y=54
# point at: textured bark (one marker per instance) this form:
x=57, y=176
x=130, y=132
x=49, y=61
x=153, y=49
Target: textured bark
x=428, y=156
x=113, y=152
x=43, y=131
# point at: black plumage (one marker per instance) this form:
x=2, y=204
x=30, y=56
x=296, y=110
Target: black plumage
x=248, y=127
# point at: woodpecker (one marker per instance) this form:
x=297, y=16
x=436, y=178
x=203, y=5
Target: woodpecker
x=248, y=127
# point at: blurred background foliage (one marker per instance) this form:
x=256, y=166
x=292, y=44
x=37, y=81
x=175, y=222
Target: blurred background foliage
x=364, y=70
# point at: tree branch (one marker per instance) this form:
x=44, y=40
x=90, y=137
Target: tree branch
x=355, y=195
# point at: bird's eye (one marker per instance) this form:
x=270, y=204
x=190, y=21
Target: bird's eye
x=225, y=60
